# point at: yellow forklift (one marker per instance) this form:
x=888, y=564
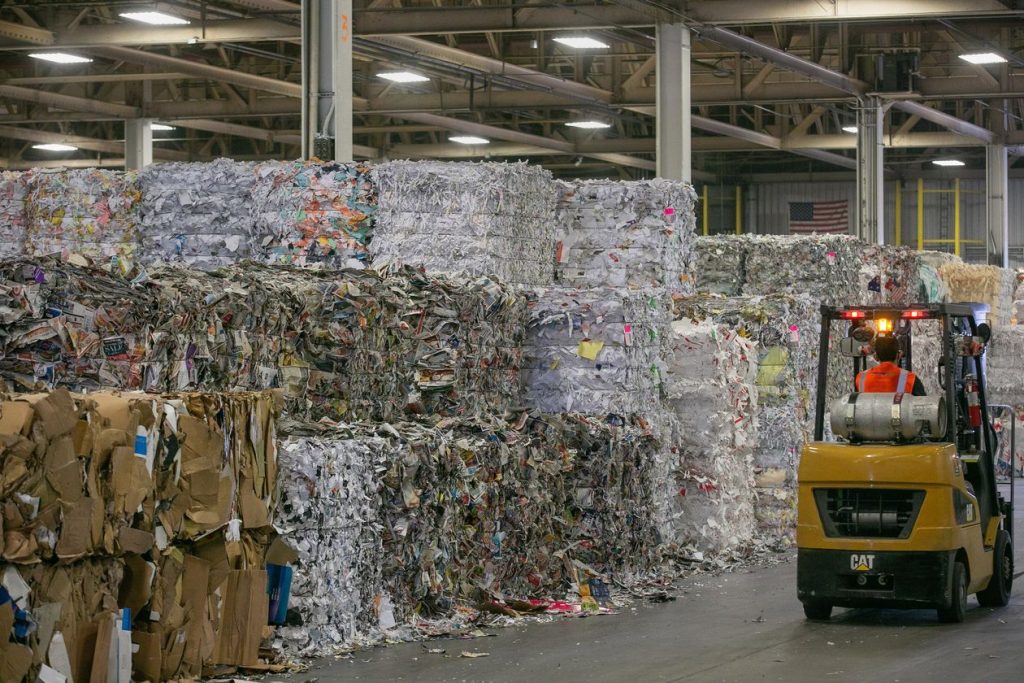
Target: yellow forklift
x=899, y=507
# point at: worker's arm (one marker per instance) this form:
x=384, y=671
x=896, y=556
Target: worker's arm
x=918, y=389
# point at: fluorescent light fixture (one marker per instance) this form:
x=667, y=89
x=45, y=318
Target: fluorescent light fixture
x=469, y=140
x=581, y=42
x=55, y=147
x=849, y=129
x=160, y=126
x=155, y=18
x=59, y=57
x=589, y=125
x=947, y=162
x=403, y=77
x=983, y=58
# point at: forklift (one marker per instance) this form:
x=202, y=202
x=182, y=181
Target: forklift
x=898, y=507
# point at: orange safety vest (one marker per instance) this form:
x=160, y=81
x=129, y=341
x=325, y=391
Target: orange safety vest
x=885, y=378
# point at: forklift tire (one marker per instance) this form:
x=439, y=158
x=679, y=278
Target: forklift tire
x=818, y=611
x=997, y=593
x=957, y=610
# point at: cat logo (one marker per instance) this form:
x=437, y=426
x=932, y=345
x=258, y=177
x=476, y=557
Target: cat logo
x=862, y=563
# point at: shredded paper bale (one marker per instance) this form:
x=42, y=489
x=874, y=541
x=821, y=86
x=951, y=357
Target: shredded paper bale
x=889, y=275
x=160, y=505
x=13, y=193
x=626, y=234
x=595, y=351
x=330, y=514
x=483, y=219
x=712, y=397
x=406, y=522
x=826, y=267
x=719, y=264
x=1004, y=367
x=786, y=329
x=313, y=214
x=197, y=213
x=352, y=343
x=93, y=212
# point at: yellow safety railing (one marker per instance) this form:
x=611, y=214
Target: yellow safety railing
x=957, y=240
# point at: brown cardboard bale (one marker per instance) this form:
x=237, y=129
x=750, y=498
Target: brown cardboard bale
x=146, y=661
x=136, y=541
x=57, y=413
x=76, y=530
x=194, y=582
x=136, y=587
x=15, y=662
x=131, y=481
x=106, y=633
x=243, y=618
x=16, y=417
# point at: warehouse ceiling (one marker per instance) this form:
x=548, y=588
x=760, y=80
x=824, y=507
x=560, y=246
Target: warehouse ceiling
x=228, y=83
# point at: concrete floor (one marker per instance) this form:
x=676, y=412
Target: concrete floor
x=744, y=626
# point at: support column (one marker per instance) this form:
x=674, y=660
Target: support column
x=869, y=220
x=327, y=79
x=674, y=155
x=997, y=205
x=138, y=144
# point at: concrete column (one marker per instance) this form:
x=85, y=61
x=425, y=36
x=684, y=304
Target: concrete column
x=674, y=155
x=327, y=79
x=138, y=144
x=997, y=214
x=869, y=218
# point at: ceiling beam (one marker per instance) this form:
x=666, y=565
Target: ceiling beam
x=217, y=31
x=945, y=120
x=92, y=144
x=21, y=33
x=201, y=69
x=68, y=102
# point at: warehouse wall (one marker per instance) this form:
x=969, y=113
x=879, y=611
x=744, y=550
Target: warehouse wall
x=766, y=211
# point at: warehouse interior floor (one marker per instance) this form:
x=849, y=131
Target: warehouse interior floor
x=742, y=626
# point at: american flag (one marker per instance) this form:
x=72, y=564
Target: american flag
x=808, y=217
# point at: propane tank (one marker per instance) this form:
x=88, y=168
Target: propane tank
x=973, y=404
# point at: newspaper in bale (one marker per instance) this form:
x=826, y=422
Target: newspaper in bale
x=341, y=343
x=330, y=513
x=826, y=267
x=156, y=504
x=785, y=329
x=313, y=214
x=197, y=213
x=492, y=219
x=889, y=275
x=636, y=234
x=712, y=398
x=91, y=212
x=595, y=350
x=719, y=264
x=13, y=194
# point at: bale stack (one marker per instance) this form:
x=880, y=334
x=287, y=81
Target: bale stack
x=13, y=193
x=626, y=234
x=92, y=212
x=481, y=219
x=595, y=351
x=712, y=399
x=826, y=267
x=197, y=213
x=313, y=214
x=720, y=264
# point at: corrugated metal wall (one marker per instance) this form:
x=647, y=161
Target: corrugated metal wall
x=766, y=211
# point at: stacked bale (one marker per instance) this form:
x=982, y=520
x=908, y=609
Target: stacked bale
x=626, y=234
x=13, y=193
x=482, y=219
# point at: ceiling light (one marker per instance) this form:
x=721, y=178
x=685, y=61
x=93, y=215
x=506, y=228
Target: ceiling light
x=160, y=126
x=581, y=42
x=590, y=125
x=983, y=58
x=403, y=77
x=948, y=162
x=55, y=147
x=849, y=129
x=469, y=140
x=59, y=57
x=155, y=18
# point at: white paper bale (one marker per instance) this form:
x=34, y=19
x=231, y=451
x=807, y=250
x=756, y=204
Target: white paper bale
x=626, y=234
x=490, y=219
x=13, y=193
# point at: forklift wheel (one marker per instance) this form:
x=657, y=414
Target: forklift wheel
x=997, y=593
x=955, y=613
x=817, y=611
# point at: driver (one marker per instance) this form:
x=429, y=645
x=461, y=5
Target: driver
x=888, y=377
